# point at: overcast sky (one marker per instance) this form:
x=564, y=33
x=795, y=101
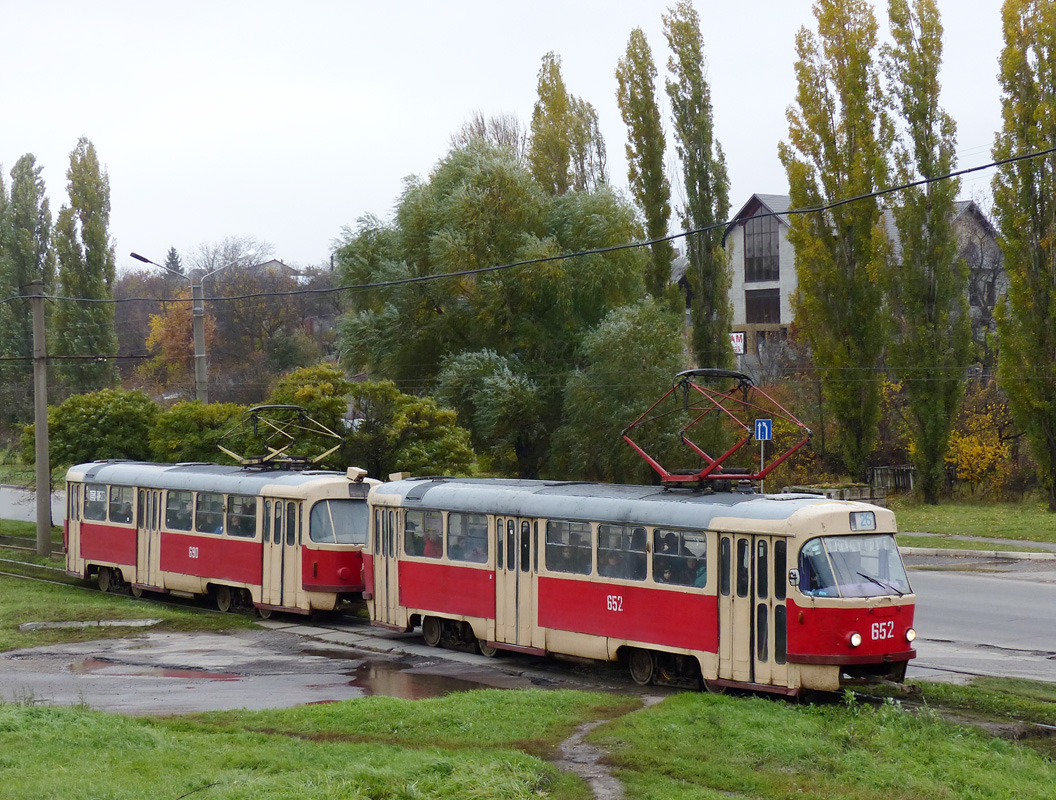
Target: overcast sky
x=287, y=121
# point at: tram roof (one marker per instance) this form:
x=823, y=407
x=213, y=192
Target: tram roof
x=195, y=476
x=627, y=504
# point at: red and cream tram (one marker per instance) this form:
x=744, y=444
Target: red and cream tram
x=278, y=540
x=782, y=593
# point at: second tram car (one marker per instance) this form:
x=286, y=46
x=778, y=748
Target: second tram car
x=277, y=540
x=782, y=593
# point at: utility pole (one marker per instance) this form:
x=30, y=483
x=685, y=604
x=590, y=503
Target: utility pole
x=201, y=362
x=40, y=419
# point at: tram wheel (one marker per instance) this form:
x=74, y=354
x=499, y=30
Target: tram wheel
x=432, y=628
x=711, y=687
x=103, y=579
x=265, y=613
x=487, y=649
x=137, y=591
x=223, y=598
x=642, y=666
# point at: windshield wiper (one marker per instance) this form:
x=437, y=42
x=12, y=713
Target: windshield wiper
x=882, y=584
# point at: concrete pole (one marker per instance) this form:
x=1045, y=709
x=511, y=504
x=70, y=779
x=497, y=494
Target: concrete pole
x=40, y=419
x=201, y=362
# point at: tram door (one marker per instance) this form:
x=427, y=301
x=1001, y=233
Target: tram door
x=514, y=581
x=281, y=573
x=386, y=561
x=752, y=614
x=73, y=524
x=148, y=538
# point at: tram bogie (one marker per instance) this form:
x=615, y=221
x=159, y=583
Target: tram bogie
x=776, y=593
x=275, y=540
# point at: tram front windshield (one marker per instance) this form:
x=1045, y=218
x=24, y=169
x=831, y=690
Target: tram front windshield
x=852, y=566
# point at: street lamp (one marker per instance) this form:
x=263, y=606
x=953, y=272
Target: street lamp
x=201, y=362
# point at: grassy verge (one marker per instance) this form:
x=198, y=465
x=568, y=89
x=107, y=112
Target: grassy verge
x=28, y=601
x=947, y=542
x=1028, y=521
x=461, y=746
x=702, y=746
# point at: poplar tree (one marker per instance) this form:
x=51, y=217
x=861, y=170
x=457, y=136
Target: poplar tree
x=928, y=282
x=838, y=131
x=567, y=150
x=25, y=256
x=1025, y=204
x=636, y=95
x=83, y=330
x=706, y=186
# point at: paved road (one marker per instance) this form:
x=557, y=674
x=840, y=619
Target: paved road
x=985, y=624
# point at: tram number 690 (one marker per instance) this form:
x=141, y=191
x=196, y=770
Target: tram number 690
x=192, y=552
x=883, y=630
x=614, y=602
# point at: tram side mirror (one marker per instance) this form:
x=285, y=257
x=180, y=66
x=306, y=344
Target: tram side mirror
x=793, y=577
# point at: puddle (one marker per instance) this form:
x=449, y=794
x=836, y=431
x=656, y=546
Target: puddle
x=384, y=679
x=100, y=666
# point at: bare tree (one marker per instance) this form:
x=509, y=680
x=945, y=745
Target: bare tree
x=501, y=130
x=240, y=251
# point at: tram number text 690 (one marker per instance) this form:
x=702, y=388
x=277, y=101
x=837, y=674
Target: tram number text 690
x=614, y=602
x=883, y=630
x=192, y=552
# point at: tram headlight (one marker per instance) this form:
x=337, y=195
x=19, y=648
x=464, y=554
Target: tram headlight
x=855, y=639
x=911, y=635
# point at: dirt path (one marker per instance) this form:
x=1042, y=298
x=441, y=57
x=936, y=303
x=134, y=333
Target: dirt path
x=587, y=761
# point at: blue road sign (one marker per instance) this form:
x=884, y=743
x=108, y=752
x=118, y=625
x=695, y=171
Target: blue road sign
x=764, y=430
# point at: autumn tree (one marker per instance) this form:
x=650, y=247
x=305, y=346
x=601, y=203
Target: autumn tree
x=636, y=95
x=26, y=255
x=566, y=150
x=1025, y=204
x=706, y=187
x=170, y=344
x=927, y=283
x=82, y=334
x=838, y=131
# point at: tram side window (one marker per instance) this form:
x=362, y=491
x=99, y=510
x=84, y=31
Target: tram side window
x=568, y=547
x=423, y=534
x=621, y=552
x=242, y=516
x=121, y=503
x=178, y=511
x=680, y=557
x=467, y=538
x=95, y=501
x=339, y=522
x=209, y=513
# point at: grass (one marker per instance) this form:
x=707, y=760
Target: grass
x=28, y=601
x=1026, y=521
x=946, y=542
x=495, y=744
x=460, y=746
x=703, y=746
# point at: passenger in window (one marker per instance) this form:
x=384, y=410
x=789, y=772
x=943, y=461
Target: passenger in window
x=697, y=572
x=456, y=549
x=611, y=565
x=125, y=513
x=434, y=547
x=669, y=544
x=666, y=575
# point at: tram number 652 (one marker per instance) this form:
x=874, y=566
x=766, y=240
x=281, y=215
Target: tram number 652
x=614, y=602
x=883, y=630
x=192, y=552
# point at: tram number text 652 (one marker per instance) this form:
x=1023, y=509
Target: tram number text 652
x=883, y=630
x=192, y=552
x=614, y=602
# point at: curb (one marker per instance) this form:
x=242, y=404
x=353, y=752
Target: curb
x=1009, y=555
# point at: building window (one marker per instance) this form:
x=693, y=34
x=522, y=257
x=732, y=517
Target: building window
x=762, y=307
x=761, y=249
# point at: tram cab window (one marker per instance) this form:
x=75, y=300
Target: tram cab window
x=339, y=522
x=621, y=552
x=209, y=513
x=424, y=534
x=95, y=501
x=680, y=557
x=242, y=516
x=178, y=511
x=852, y=566
x=568, y=547
x=121, y=498
x=467, y=538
